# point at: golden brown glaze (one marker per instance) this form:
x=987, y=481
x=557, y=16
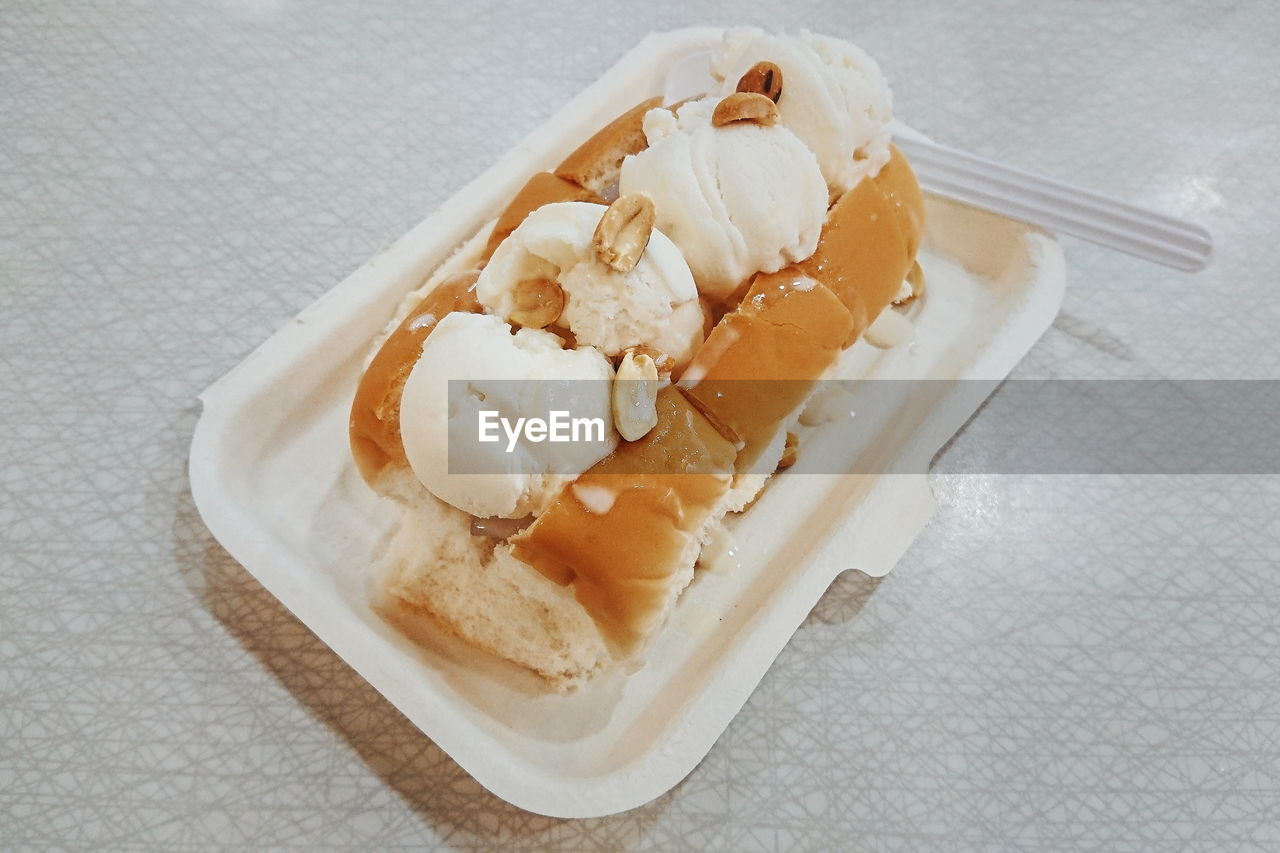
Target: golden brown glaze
x=596, y=161
x=862, y=255
x=761, y=361
x=620, y=562
x=542, y=188
x=375, y=412
x=898, y=183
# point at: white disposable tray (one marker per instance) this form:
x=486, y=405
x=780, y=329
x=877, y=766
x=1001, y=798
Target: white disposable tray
x=273, y=479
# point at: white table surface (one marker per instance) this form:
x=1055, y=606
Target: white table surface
x=1059, y=662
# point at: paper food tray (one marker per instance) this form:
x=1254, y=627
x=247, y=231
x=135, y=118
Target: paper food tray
x=273, y=478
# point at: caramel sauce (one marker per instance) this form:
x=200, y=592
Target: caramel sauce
x=620, y=562
x=761, y=361
x=542, y=188
x=898, y=183
x=375, y=412
x=862, y=255
x=499, y=528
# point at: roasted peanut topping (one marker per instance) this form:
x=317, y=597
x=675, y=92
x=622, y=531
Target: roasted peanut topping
x=745, y=106
x=539, y=302
x=635, y=395
x=661, y=360
x=763, y=78
x=623, y=233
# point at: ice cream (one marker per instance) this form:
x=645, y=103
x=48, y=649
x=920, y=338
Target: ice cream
x=833, y=97
x=440, y=429
x=654, y=304
x=736, y=199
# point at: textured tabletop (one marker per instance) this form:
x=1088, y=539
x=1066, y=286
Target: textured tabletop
x=1062, y=662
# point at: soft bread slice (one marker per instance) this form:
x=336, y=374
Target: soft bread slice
x=863, y=253
x=595, y=163
x=375, y=411
x=625, y=534
x=759, y=364
x=483, y=595
x=761, y=361
x=542, y=188
x=898, y=182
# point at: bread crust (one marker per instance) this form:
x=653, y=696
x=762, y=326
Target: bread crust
x=375, y=412
x=595, y=163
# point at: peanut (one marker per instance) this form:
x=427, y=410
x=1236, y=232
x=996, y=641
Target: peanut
x=539, y=302
x=745, y=107
x=623, y=232
x=635, y=396
x=763, y=78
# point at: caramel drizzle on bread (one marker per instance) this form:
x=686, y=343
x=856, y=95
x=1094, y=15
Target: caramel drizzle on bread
x=789, y=325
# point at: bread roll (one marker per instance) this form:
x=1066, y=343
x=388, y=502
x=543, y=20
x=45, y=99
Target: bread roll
x=626, y=533
x=595, y=575
x=375, y=411
x=595, y=163
x=471, y=587
x=542, y=188
x=760, y=362
x=864, y=252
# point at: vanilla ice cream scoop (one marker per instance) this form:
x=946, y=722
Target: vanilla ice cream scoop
x=654, y=304
x=736, y=199
x=833, y=97
x=499, y=375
